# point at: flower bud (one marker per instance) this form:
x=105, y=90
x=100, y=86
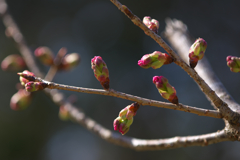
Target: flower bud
x=100, y=71
x=35, y=86
x=63, y=113
x=196, y=51
x=123, y=122
x=152, y=24
x=165, y=89
x=20, y=100
x=45, y=55
x=13, y=62
x=23, y=81
x=70, y=61
x=122, y=125
x=155, y=60
x=233, y=63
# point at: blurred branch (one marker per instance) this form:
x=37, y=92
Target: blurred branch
x=216, y=101
x=93, y=126
x=177, y=34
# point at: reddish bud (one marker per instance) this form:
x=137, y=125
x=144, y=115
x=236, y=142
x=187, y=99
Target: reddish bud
x=233, y=63
x=196, y=51
x=45, y=55
x=20, y=100
x=100, y=71
x=165, y=89
x=13, y=62
x=155, y=60
x=23, y=80
x=70, y=61
x=123, y=122
x=152, y=24
x=35, y=86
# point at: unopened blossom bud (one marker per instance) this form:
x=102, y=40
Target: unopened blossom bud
x=35, y=86
x=165, y=89
x=13, y=62
x=122, y=125
x=123, y=122
x=100, y=71
x=63, y=113
x=23, y=81
x=155, y=60
x=152, y=24
x=20, y=100
x=45, y=55
x=233, y=63
x=196, y=51
x=70, y=61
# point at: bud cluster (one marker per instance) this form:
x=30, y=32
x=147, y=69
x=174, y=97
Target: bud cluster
x=123, y=122
x=152, y=24
x=46, y=56
x=165, y=89
x=155, y=60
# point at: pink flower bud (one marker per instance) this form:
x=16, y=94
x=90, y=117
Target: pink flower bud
x=23, y=81
x=165, y=89
x=123, y=122
x=13, y=62
x=100, y=71
x=155, y=60
x=152, y=24
x=122, y=125
x=196, y=51
x=45, y=55
x=20, y=100
x=35, y=86
x=70, y=61
x=233, y=63
x=63, y=113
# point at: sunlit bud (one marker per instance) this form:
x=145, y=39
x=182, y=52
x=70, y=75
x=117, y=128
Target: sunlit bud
x=152, y=24
x=165, y=89
x=123, y=122
x=63, y=113
x=23, y=81
x=45, y=55
x=100, y=71
x=20, y=100
x=70, y=61
x=122, y=125
x=233, y=63
x=35, y=86
x=13, y=62
x=196, y=51
x=155, y=60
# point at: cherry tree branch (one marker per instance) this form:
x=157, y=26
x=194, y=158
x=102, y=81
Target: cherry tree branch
x=211, y=95
x=81, y=118
x=177, y=34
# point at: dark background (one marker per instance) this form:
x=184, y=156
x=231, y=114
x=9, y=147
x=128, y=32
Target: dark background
x=90, y=28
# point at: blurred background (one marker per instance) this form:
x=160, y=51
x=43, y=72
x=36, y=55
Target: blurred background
x=97, y=27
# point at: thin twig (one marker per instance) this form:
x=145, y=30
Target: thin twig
x=201, y=83
x=177, y=34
